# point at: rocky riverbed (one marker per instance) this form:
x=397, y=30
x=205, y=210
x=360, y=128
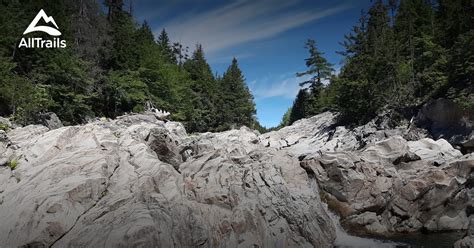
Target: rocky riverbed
x=138, y=181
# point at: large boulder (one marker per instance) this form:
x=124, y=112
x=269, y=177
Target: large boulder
x=126, y=183
x=5, y=153
x=438, y=151
x=468, y=240
x=397, y=186
x=50, y=120
x=445, y=119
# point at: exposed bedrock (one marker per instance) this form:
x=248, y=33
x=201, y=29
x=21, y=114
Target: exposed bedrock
x=138, y=181
x=383, y=180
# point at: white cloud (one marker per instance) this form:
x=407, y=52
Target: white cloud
x=286, y=85
x=226, y=59
x=242, y=21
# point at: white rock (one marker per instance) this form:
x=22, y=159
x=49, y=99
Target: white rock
x=439, y=151
x=123, y=183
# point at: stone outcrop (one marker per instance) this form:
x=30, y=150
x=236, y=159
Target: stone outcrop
x=321, y=133
x=137, y=181
x=445, y=119
x=468, y=240
x=378, y=181
x=397, y=186
x=50, y=120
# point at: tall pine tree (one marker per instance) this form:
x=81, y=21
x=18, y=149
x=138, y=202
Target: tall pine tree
x=201, y=115
x=239, y=108
x=165, y=45
x=320, y=69
x=299, y=108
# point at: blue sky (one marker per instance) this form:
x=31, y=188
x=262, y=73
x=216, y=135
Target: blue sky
x=266, y=36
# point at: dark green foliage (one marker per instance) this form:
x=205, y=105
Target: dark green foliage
x=285, y=120
x=201, y=115
x=354, y=101
x=122, y=54
x=261, y=129
x=165, y=45
x=399, y=56
x=127, y=90
x=315, y=99
x=238, y=108
x=317, y=65
x=454, y=17
x=38, y=80
x=299, y=109
x=461, y=70
x=111, y=66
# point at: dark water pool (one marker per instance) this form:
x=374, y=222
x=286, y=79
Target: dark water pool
x=431, y=240
x=406, y=240
x=412, y=240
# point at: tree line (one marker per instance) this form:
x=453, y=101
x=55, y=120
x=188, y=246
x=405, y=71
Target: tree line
x=112, y=66
x=400, y=55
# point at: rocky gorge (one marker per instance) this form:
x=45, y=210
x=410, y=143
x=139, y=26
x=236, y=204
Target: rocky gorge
x=137, y=181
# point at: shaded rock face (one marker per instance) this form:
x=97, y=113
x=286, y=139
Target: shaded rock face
x=445, y=119
x=50, y=120
x=137, y=181
x=468, y=240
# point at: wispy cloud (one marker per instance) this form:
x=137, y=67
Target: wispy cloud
x=228, y=58
x=242, y=21
x=286, y=85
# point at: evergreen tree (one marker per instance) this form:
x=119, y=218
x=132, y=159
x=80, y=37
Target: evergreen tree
x=361, y=89
x=461, y=71
x=381, y=66
x=455, y=34
x=165, y=44
x=398, y=57
x=122, y=54
x=454, y=17
x=299, y=109
x=201, y=115
x=238, y=108
x=317, y=65
x=353, y=100
x=414, y=36
x=320, y=69
x=89, y=27
x=180, y=53
x=114, y=7
x=144, y=35
x=285, y=120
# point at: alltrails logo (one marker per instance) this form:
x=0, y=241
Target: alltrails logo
x=40, y=42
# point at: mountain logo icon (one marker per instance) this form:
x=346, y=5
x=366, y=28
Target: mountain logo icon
x=48, y=19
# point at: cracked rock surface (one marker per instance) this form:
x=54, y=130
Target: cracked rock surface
x=380, y=180
x=137, y=181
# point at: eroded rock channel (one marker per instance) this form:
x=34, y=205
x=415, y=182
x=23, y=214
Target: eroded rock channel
x=137, y=181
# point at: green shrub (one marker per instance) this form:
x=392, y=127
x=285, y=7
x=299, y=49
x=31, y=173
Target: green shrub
x=13, y=164
x=4, y=127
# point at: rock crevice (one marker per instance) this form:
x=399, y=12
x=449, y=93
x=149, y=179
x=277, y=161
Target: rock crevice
x=137, y=181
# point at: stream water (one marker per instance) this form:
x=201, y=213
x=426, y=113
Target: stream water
x=413, y=240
